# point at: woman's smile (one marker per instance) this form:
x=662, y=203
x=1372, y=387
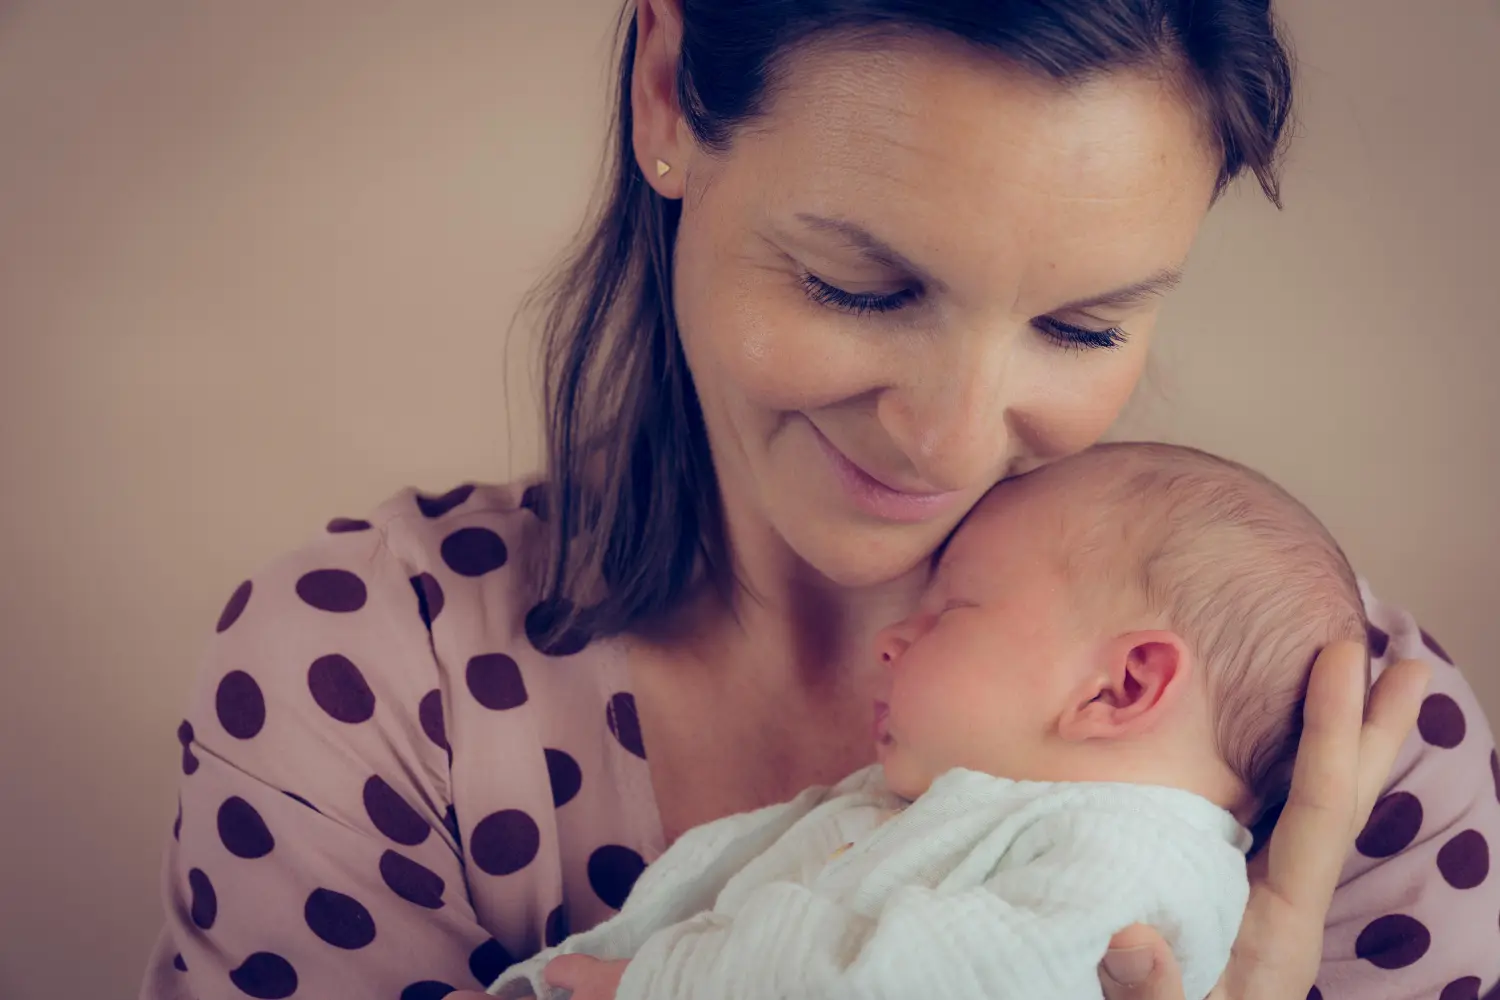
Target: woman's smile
x=876, y=497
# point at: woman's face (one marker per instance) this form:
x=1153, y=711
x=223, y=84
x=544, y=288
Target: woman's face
x=922, y=273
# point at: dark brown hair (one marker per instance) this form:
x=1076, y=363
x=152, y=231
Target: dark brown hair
x=634, y=516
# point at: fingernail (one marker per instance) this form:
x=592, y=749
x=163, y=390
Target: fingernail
x=1129, y=966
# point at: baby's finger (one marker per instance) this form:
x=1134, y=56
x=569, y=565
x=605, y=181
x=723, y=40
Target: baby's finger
x=569, y=972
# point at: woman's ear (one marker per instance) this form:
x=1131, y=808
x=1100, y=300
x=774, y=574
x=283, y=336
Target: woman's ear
x=1136, y=680
x=657, y=129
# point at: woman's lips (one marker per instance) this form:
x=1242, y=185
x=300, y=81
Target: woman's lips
x=876, y=498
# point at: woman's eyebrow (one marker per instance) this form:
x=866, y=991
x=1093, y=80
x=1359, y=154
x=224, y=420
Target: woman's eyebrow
x=870, y=246
x=1158, y=284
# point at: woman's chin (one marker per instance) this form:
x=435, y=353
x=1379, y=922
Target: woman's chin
x=857, y=557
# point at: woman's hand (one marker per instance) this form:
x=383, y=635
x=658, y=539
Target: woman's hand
x=1343, y=760
x=588, y=978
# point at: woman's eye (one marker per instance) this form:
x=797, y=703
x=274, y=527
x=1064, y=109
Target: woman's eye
x=860, y=303
x=857, y=303
x=1079, y=337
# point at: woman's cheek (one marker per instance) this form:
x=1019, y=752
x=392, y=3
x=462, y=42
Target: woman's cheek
x=789, y=358
x=1076, y=400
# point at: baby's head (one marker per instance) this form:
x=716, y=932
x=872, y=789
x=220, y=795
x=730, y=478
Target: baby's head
x=1137, y=612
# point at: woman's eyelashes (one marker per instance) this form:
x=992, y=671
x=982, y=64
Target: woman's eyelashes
x=1079, y=337
x=1063, y=334
x=858, y=303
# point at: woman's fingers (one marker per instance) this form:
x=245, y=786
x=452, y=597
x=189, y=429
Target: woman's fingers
x=1140, y=966
x=1343, y=760
x=1395, y=701
x=1307, y=848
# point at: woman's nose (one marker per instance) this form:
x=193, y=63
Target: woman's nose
x=948, y=416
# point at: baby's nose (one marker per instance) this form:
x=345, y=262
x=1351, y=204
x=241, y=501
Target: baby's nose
x=890, y=643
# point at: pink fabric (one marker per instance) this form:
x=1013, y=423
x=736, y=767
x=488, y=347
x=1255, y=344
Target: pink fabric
x=389, y=792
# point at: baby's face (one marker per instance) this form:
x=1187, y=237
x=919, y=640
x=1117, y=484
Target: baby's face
x=980, y=673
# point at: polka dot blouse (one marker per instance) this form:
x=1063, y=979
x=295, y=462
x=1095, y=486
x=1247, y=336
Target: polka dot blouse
x=391, y=790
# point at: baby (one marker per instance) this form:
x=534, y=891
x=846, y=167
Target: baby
x=1097, y=698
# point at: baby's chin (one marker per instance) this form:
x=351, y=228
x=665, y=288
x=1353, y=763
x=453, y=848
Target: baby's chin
x=900, y=777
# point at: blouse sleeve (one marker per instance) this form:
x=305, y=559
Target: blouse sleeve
x=1417, y=911
x=315, y=851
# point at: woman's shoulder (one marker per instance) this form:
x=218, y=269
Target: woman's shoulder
x=428, y=591
x=478, y=547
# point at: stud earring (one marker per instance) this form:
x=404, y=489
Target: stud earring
x=662, y=166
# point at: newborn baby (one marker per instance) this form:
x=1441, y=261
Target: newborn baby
x=1097, y=698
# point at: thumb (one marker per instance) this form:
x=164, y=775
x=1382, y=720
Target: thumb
x=1140, y=966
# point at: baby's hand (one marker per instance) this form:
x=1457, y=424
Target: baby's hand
x=588, y=978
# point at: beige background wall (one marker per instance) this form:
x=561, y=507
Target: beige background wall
x=257, y=262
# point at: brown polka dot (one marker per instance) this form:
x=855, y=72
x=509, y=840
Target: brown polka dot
x=566, y=777
x=557, y=926
x=1436, y=648
x=430, y=715
x=1464, y=860
x=240, y=705
x=411, y=881
x=1393, y=942
x=429, y=597
x=427, y=989
x=335, y=590
x=625, y=724
x=392, y=815
x=495, y=681
x=489, y=960
x=1495, y=771
x=504, y=842
x=179, y=963
x=535, y=500
x=297, y=798
x=185, y=737
x=177, y=823
x=338, y=919
x=540, y=622
x=346, y=525
x=265, y=976
x=1466, y=988
x=340, y=689
x=1393, y=824
x=612, y=873
x=242, y=831
x=474, y=551
x=204, y=906
x=1441, y=721
x=438, y=506
x=1378, y=641
x=235, y=606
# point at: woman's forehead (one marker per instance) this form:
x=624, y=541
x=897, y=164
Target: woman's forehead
x=973, y=170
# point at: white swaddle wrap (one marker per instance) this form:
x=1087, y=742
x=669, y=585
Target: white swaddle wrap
x=982, y=889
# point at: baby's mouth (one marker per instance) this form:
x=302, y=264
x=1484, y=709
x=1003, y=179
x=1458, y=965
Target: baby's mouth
x=882, y=715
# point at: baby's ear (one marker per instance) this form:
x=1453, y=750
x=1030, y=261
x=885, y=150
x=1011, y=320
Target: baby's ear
x=1134, y=682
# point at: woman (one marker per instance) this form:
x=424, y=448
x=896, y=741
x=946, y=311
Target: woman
x=862, y=259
